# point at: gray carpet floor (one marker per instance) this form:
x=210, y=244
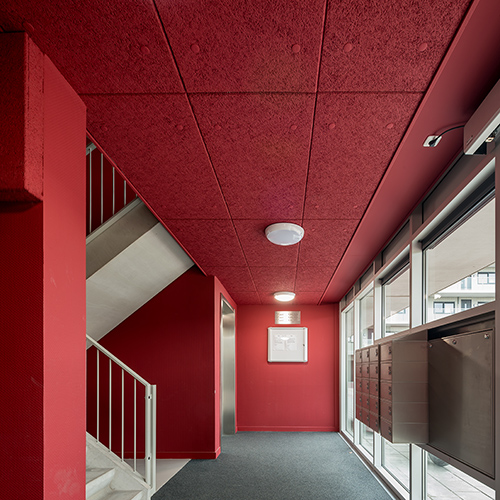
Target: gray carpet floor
x=276, y=466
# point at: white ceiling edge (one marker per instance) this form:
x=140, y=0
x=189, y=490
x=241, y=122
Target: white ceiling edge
x=133, y=278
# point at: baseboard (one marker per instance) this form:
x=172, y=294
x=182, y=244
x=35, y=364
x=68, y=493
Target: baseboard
x=258, y=428
x=193, y=455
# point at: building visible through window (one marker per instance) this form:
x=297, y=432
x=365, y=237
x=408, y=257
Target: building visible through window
x=444, y=307
x=460, y=266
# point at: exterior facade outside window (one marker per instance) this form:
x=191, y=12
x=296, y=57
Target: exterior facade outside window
x=486, y=278
x=460, y=267
x=366, y=319
x=465, y=304
x=466, y=284
x=443, y=307
x=396, y=296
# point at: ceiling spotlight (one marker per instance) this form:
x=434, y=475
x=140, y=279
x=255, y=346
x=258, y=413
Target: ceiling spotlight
x=432, y=141
x=284, y=233
x=284, y=296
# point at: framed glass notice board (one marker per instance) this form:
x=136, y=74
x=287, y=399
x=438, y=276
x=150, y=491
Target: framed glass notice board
x=287, y=344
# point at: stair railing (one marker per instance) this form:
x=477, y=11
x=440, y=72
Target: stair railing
x=149, y=475
x=108, y=192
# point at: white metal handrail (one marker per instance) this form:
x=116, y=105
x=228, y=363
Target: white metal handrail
x=150, y=414
x=103, y=192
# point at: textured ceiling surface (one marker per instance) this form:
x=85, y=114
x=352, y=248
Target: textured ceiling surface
x=229, y=115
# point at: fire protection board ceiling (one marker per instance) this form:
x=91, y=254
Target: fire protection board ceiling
x=227, y=116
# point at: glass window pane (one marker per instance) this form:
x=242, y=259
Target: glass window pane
x=366, y=339
x=366, y=319
x=397, y=303
x=366, y=438
x=396, y=460
x=460, y=269
x=447, y=482
x=349, y=371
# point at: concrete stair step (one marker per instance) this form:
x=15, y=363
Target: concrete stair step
x=124, y=495
x=97, y=479
x=108, y=478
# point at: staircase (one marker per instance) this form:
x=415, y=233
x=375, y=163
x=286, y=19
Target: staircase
x=130, y=258
x=98, y=487
x=108, y=478
x=108, y=473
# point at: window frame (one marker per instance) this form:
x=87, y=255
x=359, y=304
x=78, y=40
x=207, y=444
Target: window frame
x=470, y=174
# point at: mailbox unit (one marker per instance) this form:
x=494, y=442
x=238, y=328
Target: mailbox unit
x=392, y=390
x=367, y=387
x=404, y=408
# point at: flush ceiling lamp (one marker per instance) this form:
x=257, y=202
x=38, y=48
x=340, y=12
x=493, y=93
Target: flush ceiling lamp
x=284, y=296
x=284, y=233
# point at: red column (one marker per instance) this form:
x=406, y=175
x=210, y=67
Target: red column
x=42, y=277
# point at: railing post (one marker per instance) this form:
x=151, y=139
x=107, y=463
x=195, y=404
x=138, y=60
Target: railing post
x=110, y=402
x=147, y=437
x=123, y=415
x=90, y=192
x=135, y=424
x=97, y=395
x=153, y=438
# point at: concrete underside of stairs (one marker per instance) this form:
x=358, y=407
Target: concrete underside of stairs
x=130, y=259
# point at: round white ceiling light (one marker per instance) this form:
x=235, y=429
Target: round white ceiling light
x=284, y=296
x=284, y=233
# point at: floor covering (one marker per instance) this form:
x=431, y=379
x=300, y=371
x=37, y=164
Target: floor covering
x=276, y=466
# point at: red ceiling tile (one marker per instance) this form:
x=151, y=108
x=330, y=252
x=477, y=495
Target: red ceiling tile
x=259, y=143
x=386, y=45
x=313, y=279
x=259, y=146
x=355, y=136
x=339, y=201
x=306, y=298
x=100, y=47
x=273, y=279
x=324, y=242
x=245, y=298
x=241, y=46
x=236, y=279
x=154, y=140
x=259, y=251
x=211, y=243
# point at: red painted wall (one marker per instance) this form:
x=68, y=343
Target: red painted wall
x=64, y=288
x=173, y=342
x=42, y=288
x=288, y=396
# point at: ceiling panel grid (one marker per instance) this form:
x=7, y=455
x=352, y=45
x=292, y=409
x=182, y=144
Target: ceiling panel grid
x=227, y=116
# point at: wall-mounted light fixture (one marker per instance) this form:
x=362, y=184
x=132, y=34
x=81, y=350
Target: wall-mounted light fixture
x=433, y=140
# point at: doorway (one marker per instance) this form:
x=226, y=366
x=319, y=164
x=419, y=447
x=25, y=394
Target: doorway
x=227, y=369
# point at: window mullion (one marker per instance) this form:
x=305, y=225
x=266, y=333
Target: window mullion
x=418, y=473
